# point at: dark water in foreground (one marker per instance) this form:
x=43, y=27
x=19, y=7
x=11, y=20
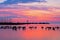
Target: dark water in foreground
x=31, y=34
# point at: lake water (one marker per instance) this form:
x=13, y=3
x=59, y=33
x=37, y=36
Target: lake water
x=31, y=34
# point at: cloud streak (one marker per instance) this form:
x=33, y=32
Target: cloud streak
x=12, y=3
x=2, y=1
x=21, y=1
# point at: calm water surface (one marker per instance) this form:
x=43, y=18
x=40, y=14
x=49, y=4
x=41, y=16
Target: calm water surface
x=31, y=34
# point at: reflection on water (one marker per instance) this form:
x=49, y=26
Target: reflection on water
x=30, y=32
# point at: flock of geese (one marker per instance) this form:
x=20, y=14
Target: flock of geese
x=30, y=27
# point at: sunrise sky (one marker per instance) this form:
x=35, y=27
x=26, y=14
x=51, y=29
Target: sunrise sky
x=32, y=10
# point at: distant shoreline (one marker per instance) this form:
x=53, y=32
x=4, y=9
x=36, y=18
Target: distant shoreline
x=5, y=23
